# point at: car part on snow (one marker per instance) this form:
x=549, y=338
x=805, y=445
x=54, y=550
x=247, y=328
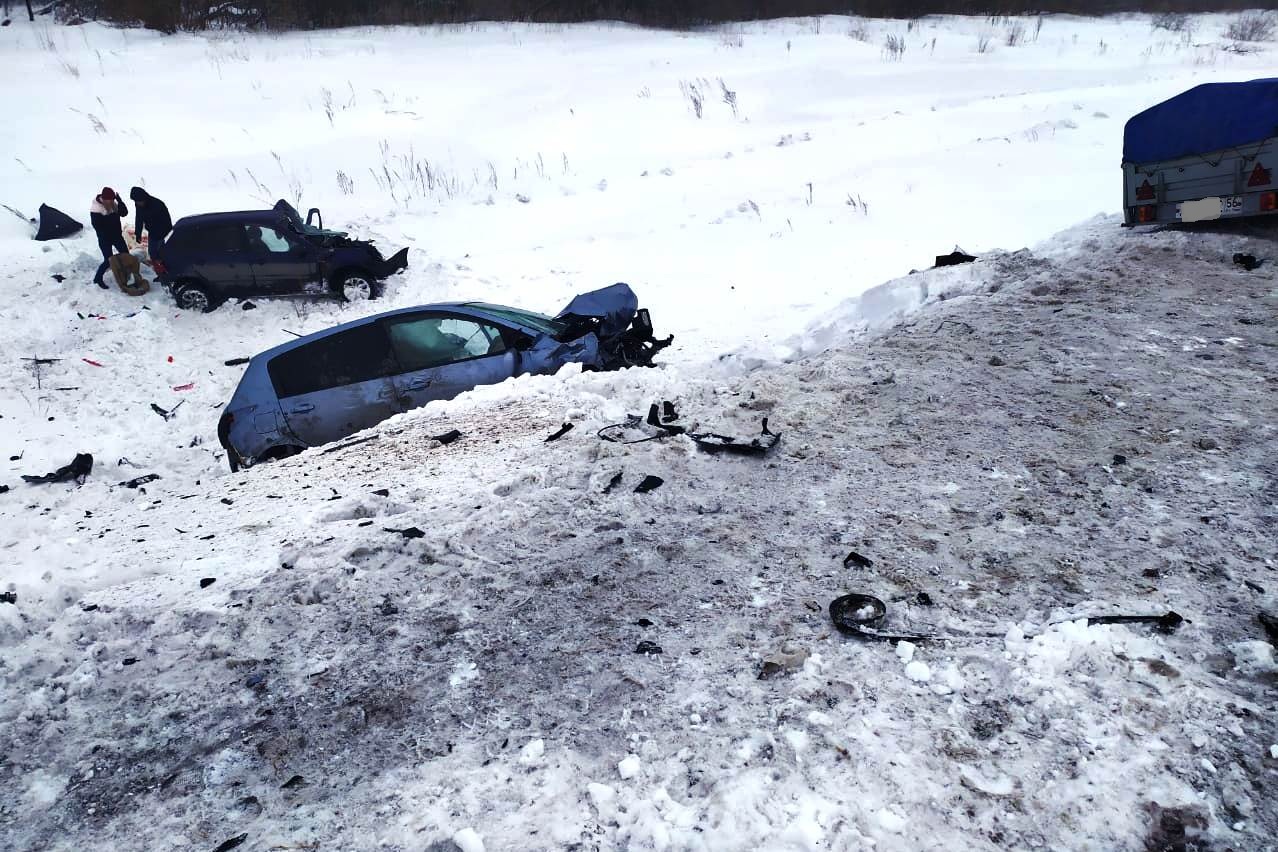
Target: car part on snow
x=347, y=444
x=141, y=480
x=9, y=597
x=650, y=483
x=54, y=224
x=409, y=532
x=559, y=433
x=205, y=582
x=856, y=560
x=235, y=362
x=648, y=647
x=228, y=845
x=167, y=414
x=447, y=438
x=614, y=433
x=77, y=470
x=862, y=616
x=1247, y=261
x=4, y=489
x=712, y=442
x=613, y=482
x=954, y=258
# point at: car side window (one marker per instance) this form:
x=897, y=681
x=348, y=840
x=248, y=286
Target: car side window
x=356, y=355
x=266, y=240
x=217, y=239
x=423, y=341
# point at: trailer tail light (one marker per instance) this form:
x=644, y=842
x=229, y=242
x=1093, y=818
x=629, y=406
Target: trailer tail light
x=1145, y=192
x=1260, y=176
x=1144, y=213
x=1269, y=202
x=159, y=267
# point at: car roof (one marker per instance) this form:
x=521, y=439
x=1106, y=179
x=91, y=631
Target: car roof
x=232, y=218
x=478, y=309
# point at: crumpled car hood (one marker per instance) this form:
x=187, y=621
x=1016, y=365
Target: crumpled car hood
x=613, y=306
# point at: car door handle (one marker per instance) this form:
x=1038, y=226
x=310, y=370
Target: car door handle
x=419, y=384
x=302, y=408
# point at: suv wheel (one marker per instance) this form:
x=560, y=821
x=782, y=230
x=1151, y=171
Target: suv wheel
x=358, y=286
x=193, y=297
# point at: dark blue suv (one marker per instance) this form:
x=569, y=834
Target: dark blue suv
x=213, y=257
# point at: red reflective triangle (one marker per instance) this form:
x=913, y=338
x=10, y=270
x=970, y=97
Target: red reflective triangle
x=1144, y=192
x=1260, y=176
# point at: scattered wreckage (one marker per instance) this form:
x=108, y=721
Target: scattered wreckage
x=334, y=383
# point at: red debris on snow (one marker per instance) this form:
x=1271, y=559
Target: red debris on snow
x=185, y=387
x=90, y=361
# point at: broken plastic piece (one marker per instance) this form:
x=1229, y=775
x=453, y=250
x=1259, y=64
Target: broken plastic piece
x=167, y=414
x=77, y=470
x=854, y=559
x=650, y=483
x=560, y=432
x=758, y=446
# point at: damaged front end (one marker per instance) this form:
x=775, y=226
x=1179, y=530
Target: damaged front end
x=347, y=251
x=623, y=329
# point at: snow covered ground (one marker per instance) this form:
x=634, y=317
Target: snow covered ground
x=1082, y=430
x=344, y=686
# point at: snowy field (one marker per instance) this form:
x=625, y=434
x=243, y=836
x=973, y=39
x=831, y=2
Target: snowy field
x=341, y=686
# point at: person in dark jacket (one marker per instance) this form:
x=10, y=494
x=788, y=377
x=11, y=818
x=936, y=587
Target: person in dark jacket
x=152, y=214
x=105, y=213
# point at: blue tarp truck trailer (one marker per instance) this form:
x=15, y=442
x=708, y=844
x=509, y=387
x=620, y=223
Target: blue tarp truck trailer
x=1208, y=153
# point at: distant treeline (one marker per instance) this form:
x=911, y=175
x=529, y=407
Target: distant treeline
x=173, y=15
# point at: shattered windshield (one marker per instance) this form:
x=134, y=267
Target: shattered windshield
x=531, y=319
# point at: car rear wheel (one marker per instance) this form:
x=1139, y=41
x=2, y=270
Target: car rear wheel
x=358, y=286
x=193, y=297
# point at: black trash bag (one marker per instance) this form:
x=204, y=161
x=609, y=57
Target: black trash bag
x=79, y=468
x=54, y=224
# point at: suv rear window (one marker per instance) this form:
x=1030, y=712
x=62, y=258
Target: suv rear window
x=219, y=238
x=359, y=354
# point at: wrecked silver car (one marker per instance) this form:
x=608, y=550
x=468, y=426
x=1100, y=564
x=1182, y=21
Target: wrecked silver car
x=331, y=384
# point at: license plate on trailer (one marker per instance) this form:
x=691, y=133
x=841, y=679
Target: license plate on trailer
x=1212, y=207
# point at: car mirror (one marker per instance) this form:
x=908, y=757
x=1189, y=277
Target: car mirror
x=522, y=340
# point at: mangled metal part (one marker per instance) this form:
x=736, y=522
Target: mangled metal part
x=862, y=616
x=624, y=330
x=712, y=442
